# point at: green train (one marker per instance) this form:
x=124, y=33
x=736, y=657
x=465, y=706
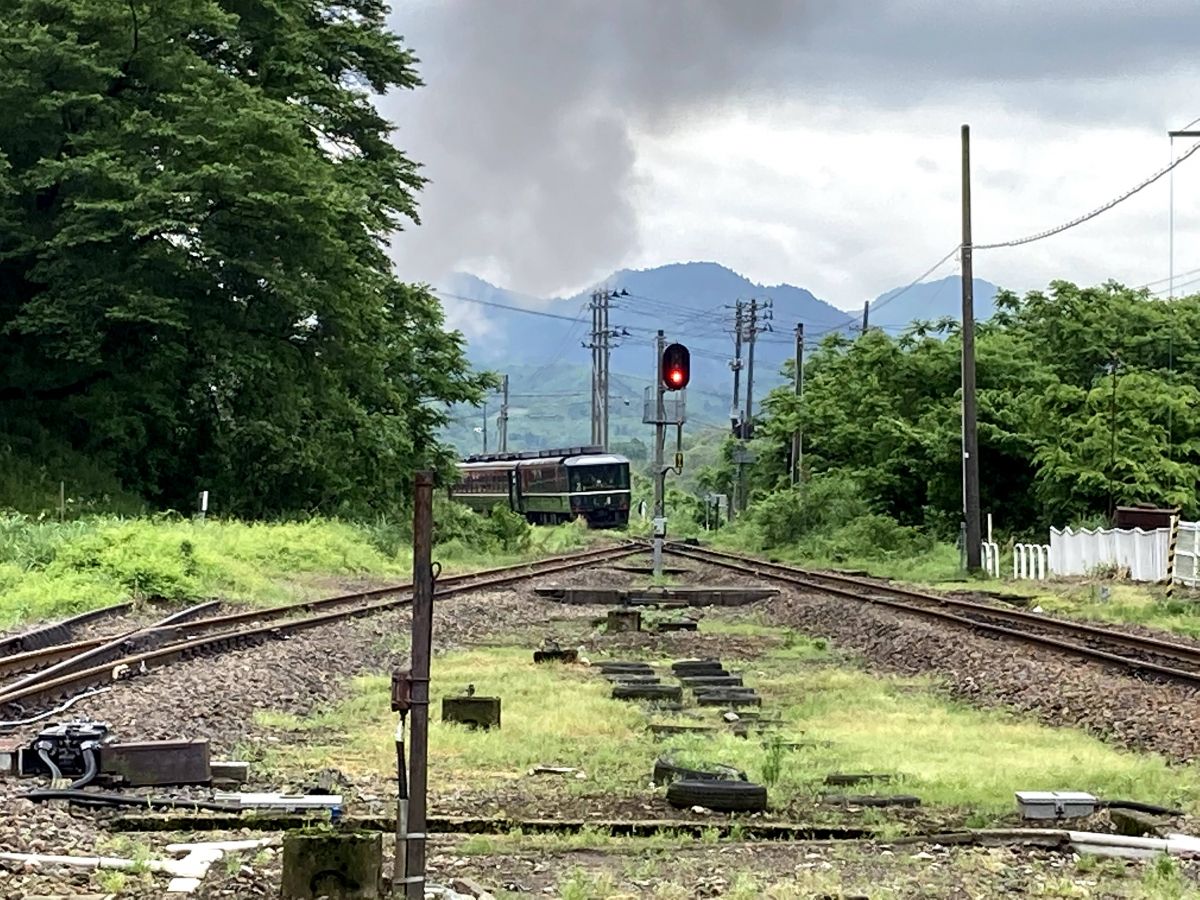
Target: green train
x=549, y=486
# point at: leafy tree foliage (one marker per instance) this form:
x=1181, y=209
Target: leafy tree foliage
x=195, y=198
x=885, y=413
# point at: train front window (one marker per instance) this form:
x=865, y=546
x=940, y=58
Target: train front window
x=599, y=478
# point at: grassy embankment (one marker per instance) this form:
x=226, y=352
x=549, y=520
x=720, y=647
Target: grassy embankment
x=52, y=569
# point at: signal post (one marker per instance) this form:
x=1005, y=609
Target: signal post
x=673, y=372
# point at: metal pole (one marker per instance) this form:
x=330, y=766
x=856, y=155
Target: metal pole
x=504, y=416
x=422, y=640
x=1112, y=441
x=400, y=865
x=483, y=431
x=735, y=411
x=594, y=344
x=798, y=435
x=748, y=423
x=1171, y=226
x=660, y=438
x=970, y=439
x=605, y=351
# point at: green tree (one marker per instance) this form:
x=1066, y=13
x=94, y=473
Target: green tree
x=195, y=199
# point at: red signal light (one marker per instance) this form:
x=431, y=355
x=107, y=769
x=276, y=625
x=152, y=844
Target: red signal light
x=676, y=369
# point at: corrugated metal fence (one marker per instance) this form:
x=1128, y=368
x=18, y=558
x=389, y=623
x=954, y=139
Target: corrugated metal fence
x=1142, y=553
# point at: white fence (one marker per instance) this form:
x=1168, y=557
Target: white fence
x=1187, y=554
x=1031, y=561
x=1142, y=553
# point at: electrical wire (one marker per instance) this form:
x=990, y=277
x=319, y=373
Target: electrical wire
x=1050, y=232
x=518, y=309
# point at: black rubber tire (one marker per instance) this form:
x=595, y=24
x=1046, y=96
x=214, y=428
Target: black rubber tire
x=703, y=681
x=694, y=671
x=631, y=668
x=647, y=692
x=632, y=678
x=725, y=698
x=695, y=664
x=563, y=656
x=721, y=796
x=666, y=771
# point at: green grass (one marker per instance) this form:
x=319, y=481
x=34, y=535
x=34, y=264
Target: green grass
x=50, y=569
x=962, y=760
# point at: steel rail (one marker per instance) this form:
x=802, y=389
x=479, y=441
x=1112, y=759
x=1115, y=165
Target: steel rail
x=813, y=581
x=51, y=632
x=187, y=649
x=47, y=656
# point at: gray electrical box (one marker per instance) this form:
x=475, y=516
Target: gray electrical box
x=1055, y=804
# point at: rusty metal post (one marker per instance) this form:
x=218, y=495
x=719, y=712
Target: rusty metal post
x=422, y=637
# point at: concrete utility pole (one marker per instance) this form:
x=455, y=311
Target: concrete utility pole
x=866, y=316
x=600, y=343
x=798, y=436
x=735, y=411
x=970, y=440
x=660, y=438
x=503, y=437
x=751, y=334
x=483, y=429
x=422, y=645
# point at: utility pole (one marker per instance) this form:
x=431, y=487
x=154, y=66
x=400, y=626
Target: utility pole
x=866, y=315
x=594, y=345
x=970, y=440
x=483, y=430
x=605, y=351
x=1112, y=438
x=503, y=437
x=735, y=411
x=660, y=437
x=600, y=344
x=751, y=334
x=422, y=645
x=798, y=436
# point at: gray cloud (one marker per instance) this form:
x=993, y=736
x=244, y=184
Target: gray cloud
x=526, y=123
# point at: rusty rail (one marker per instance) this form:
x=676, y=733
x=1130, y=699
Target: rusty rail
x=37, y=659
x=175, y=651
x=1012, y=624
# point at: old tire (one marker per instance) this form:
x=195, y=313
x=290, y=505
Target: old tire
x=632, y=678
x=607, y=667
x=666, y=772
x=711, y=681
x=647, y=692
x=563, y=656
x=730, y=698
x=705, y=664
x=722, y=796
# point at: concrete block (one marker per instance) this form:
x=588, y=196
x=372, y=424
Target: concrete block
x=340, y=866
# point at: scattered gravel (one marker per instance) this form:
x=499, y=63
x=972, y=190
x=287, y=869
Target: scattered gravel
x=1057, y=688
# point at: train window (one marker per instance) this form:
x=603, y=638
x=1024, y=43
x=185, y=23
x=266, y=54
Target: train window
x=600, y=477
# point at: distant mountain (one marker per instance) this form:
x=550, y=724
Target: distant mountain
x=548, y=364
x=929, y=301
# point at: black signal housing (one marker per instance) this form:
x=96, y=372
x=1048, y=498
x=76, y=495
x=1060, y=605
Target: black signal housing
x=676, y=367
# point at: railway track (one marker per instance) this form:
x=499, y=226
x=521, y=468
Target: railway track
x=1134, y=653
x=66, y=668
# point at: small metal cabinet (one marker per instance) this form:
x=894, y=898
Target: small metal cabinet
x=1055, y=804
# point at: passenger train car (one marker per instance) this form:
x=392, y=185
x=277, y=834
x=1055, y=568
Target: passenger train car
x=549, y=486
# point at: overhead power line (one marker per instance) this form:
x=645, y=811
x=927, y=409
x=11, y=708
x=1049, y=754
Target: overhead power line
x=519, y=309
x=1041, y=235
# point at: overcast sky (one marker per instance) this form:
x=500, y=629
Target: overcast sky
x=815, y=143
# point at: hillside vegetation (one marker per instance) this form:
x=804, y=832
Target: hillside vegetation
x=1088, y=398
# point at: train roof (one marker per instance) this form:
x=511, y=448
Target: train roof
x=567, y=456
x=602, y=459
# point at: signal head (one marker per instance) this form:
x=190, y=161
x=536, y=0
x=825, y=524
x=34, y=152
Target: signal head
x=676, y=368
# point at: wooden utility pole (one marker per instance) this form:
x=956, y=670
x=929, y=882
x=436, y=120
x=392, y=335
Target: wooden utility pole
x=503, y=436
x=797, y=466
x=970, y=441
x=422, y=645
